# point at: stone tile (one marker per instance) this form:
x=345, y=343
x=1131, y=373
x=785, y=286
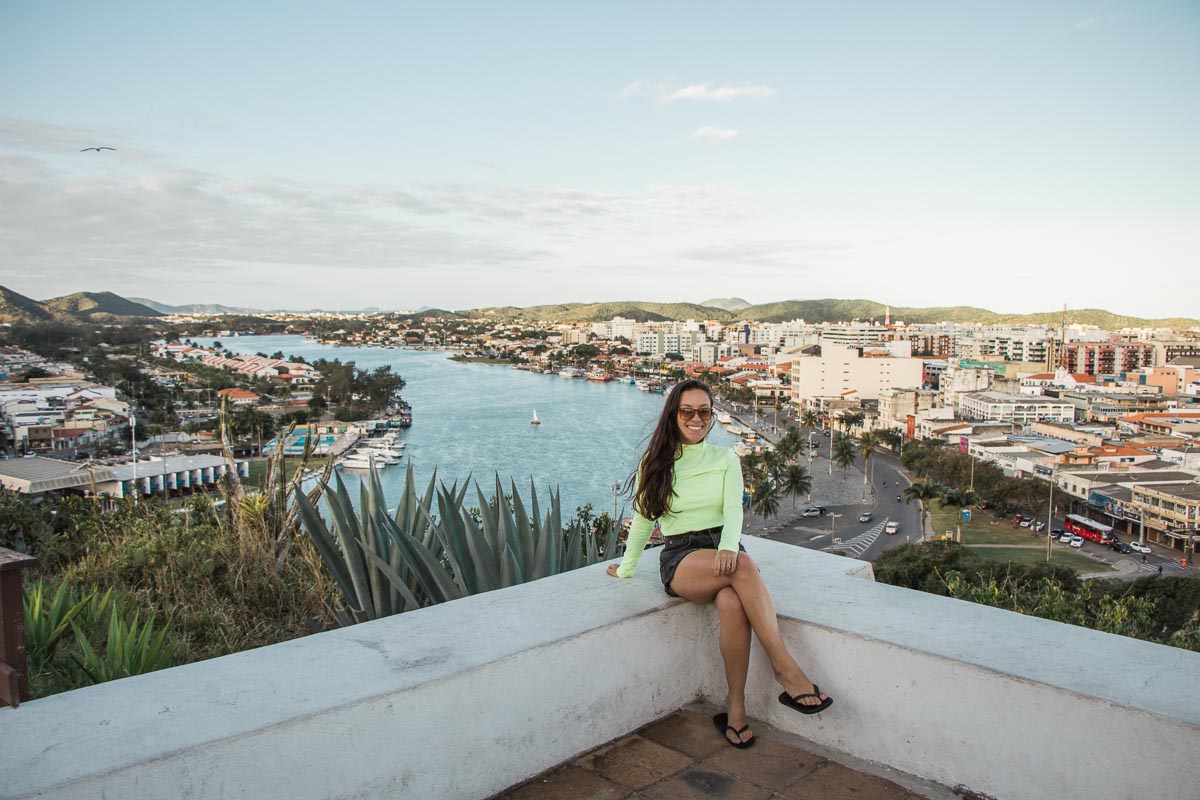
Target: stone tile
x=568, y=782
x=635, y=762
x=834, y=782
x=768, y=764
x=687, y=732
x=705, y=782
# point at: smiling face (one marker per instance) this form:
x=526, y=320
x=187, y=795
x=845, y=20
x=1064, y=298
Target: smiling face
x=691, y=427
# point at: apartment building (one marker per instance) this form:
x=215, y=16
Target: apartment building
x=1107, y=358
x=957, y=379
x=853, y=334
x=1026, y=344
x=839, y=370
x=1020, y=409
x=897, y=405
x=1172, y=512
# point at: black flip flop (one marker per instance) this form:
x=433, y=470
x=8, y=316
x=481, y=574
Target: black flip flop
x=794, y=702
x=721, y=722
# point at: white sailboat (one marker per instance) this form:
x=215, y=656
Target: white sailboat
x=535, y=420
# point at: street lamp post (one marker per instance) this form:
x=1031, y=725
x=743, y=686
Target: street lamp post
x=133, y=443
x=1049, y=513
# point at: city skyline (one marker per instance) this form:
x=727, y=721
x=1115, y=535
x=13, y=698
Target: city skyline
x=1012, y=158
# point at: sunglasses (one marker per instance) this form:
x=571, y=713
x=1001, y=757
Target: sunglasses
x=688, y=413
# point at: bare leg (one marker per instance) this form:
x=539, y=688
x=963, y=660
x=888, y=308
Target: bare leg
x=694, y=580
x=735, y=651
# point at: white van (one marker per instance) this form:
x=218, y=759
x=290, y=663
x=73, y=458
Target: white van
x=891, y=527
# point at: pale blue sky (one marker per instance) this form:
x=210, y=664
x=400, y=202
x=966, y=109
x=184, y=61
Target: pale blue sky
x=1010, y=155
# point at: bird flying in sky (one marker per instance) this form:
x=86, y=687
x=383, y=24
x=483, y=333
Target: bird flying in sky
x=98, y=149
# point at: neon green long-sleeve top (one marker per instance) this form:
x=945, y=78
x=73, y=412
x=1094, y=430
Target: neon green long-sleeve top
x=707, y=485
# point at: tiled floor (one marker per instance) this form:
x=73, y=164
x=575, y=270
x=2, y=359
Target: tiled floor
x=683, y=757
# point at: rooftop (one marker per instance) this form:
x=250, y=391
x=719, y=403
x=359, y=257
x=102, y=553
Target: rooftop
x=468, y=699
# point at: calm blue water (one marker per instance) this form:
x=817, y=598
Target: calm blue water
x=473, y=419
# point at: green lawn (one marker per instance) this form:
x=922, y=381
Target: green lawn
x=1037, y=555
x=258, y=469
x=982, y=529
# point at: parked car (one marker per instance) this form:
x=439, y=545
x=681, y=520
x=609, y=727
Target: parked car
x=1056, y=532
x=1026, y=522
x=1065, y=538
x=811, y=512
x=891, y=527
x=1121, y=547
x=1076, y=541
x=1138, y=547
x=865, y=516
x=1041, y=525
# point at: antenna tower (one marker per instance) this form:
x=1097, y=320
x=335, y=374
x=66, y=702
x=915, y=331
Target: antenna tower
x=1062, y=338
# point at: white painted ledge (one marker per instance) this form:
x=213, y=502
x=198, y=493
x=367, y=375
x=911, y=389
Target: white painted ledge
x=465, y=699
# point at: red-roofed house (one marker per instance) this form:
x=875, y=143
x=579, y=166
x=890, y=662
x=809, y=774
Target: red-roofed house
x=239, y=397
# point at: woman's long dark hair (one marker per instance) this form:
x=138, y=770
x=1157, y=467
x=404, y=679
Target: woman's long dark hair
x=651, y=482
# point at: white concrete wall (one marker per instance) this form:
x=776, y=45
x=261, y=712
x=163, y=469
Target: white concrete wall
x=465, y=699
x=1012, y=706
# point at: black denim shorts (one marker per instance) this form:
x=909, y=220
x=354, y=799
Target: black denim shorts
x=678, y=547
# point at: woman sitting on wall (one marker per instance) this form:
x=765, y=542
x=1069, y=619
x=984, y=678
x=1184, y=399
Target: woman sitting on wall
x=694, y=491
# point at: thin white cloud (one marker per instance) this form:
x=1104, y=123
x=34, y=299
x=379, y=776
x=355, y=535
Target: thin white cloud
x=1093, y=22
x=721, y=94
x=714, y=133
x=635, y=88
x=672, y=93
x=154, y=223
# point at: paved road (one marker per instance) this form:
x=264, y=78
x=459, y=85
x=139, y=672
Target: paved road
x=862, y=540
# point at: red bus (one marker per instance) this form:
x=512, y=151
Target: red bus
x=1088, y=528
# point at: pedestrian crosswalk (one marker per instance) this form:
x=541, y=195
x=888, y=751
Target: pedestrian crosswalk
x=859, y=544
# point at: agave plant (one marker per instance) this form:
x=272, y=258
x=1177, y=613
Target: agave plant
x=131, y=648
x=387, y=563
x=47, y=622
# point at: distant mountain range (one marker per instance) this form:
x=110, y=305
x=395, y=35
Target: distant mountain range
x=194, y=308
x=106, y=306
x=727, y=303
x=826, y=310
x=78, y=307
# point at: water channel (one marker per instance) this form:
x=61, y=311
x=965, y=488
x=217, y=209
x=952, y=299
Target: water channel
x=474, y=420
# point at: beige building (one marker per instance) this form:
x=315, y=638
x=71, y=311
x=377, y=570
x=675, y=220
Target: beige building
x=843, y=369
x=1014, y=408
x=895, y=405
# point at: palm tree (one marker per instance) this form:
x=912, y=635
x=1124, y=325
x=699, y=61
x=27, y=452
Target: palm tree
x=843, y=453
x=752, y=470
x=773, y=463
x=809, y=418
x=867, y=441
x=792, y=443
x=764, y=500
x=795, y=480
x=852, y=419
x=959, y=498
x=923, y=491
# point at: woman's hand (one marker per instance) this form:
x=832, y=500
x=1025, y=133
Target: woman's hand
x=725, y=563
x=612, y=570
